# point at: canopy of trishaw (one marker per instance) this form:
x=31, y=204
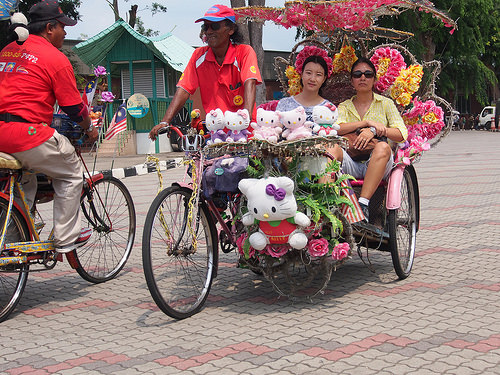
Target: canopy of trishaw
x=328, y=16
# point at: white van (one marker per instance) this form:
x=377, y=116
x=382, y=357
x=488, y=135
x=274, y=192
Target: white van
x=487, y=118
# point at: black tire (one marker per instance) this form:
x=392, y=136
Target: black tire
x=403, y=226
x=487, y=126
x=13, y=278
x=179, y=279
x=109, y=210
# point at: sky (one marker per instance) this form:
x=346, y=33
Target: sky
x=96, y=15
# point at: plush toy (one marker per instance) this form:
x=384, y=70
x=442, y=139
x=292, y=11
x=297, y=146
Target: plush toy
x=295, y=124
x=18, y=29
x=272, y=205
x=197, y=122
x=237, y=123
x=268, y=126
x=325, y=119
x=215, y=124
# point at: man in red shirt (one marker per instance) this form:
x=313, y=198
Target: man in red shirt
x=33, y=76
x=226, y=72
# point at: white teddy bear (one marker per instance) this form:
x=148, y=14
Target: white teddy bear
x=268, y=126
x=295, y=124
x=215, y=124
x=18, y=22
x=272, y=205
x=325, y=119
x=237, y=123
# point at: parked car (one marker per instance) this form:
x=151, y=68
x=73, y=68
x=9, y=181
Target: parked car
x=487, y=118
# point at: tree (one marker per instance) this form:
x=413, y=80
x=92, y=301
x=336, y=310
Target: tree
x=252, y=33
x=69, y=7
x=470, y=56
x=133, y=20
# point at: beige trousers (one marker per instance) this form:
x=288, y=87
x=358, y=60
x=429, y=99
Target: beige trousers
x=57, y=159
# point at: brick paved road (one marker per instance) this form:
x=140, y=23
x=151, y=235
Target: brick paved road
x=444, y=319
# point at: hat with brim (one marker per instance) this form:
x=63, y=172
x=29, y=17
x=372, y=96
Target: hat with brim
x=218, y=13
x=48, y=10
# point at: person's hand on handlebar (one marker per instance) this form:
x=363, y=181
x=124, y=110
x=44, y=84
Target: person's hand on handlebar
x=153, y=134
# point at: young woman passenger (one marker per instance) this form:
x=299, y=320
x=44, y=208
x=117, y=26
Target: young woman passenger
x=313, y=74
x=371, y=115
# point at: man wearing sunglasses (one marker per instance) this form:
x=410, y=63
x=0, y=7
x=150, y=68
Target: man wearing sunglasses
x=225, y=71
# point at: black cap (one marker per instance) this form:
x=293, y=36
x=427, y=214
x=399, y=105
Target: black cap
x=48, y=10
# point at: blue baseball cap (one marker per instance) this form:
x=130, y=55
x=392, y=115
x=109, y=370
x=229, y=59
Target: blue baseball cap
x=218, y=13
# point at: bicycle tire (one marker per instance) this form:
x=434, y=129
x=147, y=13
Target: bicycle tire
x=13, y=278
x=108, y=209
x=178, y=279
x=403, y=228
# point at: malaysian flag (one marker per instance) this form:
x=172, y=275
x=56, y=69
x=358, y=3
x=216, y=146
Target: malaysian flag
x=353, y=216
x=90, y=91
x=118, y=123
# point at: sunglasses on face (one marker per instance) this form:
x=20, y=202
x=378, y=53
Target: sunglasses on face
x=214, y=26
x=359, y=73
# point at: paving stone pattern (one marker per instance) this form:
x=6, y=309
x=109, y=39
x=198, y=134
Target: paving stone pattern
x=443, y=319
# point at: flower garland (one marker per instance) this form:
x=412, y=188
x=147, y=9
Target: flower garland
x=424, y=119
x=308, y=51
x=343, y=60
x=389, y=62
x=406, y=84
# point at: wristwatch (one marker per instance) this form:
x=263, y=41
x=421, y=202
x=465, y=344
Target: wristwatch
x=89, y=129
x=373, y=130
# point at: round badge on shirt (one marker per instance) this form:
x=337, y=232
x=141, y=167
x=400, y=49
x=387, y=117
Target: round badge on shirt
x=238, y=100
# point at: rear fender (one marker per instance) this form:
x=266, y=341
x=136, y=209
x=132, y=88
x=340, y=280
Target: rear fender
x=6, y=196
x=393, y=198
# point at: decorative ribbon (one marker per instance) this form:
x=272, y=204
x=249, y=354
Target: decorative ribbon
x=278, y=193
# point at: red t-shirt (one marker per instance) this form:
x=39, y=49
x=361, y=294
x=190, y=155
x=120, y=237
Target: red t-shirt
x=221, y=86
x=32, y=77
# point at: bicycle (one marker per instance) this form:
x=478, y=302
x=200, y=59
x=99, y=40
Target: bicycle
x=181, y=236
x=107, y=208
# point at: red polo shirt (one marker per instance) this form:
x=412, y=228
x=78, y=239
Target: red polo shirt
x=32, y=77
x=221, y=86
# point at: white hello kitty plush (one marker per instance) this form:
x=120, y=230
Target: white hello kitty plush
x=268, y=126
x=237, y=123
x=215, y=124
x=295, y=124
x=272, y=205
x=325, y=119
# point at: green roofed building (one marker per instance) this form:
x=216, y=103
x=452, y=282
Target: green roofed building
x=138, y=64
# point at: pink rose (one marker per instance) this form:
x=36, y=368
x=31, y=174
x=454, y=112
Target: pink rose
x=107, y=96
x=340, y=251
x=276, y=251
x=240, y=242
x=317, y=247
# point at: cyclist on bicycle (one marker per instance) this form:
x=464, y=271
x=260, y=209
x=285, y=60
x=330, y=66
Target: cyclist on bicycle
x=225, y=72
x=33, y=76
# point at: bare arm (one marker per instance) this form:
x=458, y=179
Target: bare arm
x=179, y=99
x=250, y=95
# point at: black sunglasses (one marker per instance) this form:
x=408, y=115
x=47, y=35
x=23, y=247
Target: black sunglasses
x=359, y=73
x=214, y=26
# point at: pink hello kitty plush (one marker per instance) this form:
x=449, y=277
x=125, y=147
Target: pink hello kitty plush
x=295, y=124
x=237, y=123
x=268, y=126
x=272, y=205
x=215, y=124
x=325, y=120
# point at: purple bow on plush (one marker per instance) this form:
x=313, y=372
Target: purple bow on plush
x=278, y=194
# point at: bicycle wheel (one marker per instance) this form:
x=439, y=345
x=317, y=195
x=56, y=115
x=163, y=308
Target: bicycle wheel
x=403, y=227
x=13, y=277
x=178, y=274
x=109, y=210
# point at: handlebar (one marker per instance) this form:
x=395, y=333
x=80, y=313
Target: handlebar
x=168, y=129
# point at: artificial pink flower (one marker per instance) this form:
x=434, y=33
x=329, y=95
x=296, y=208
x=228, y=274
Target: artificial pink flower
x=239, y=243
x=276, y=251
x=340, y=251
x=107, y=96
x=100, y=70
x=317, y=247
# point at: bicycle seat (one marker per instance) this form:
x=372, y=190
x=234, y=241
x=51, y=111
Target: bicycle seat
x=8, y=161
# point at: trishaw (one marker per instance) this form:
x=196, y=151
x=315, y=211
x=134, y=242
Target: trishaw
x=189, y=221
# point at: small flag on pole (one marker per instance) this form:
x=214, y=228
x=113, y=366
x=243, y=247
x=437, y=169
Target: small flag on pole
x=90, y=91
x=118, y=123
